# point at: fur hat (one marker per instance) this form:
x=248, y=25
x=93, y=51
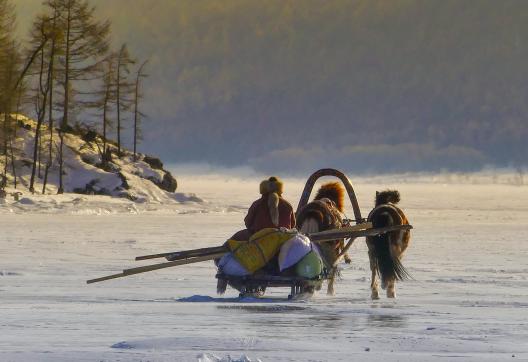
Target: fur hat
x=273, y=184
x=272, y=187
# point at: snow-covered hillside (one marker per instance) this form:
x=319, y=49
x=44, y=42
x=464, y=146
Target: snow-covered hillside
x=141, y=180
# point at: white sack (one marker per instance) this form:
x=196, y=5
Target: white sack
x=230, y=266
x=293, y=250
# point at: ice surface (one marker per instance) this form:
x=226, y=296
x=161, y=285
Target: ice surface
x=468, y=255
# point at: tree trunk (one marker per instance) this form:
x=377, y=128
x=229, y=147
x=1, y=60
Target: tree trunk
x=61, y=186
x=66, y=103
x=41, y=113
x=14, y=138
x=13, y=167
x=39, y=157
x=35, y=152
x=118, y=104
x=136, y=116
x=6, y=136
x=105, y=120
x=50, y=113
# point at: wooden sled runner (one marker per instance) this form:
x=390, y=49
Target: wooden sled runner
x=257, y=283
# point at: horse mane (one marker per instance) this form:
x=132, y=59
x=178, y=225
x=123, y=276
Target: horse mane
x=384, y=197
x=333, y=191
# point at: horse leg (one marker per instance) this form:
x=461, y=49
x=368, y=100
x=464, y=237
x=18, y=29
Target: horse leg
x=330, y=290
x=396, y=252
x=374, y=280
x=391, y=289
x=340, y=247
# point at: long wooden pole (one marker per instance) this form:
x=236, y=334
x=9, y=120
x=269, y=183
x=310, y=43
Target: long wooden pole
x=337, y=234
x=108, y=277
x=176, y=255
x=147, y=268
x=363, y=226
x=222, y=250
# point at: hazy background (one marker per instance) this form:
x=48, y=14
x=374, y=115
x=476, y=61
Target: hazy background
x=364, y=85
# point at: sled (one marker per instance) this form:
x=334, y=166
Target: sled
x=255, y=285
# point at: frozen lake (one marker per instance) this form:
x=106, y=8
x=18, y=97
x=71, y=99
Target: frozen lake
x=469, y=302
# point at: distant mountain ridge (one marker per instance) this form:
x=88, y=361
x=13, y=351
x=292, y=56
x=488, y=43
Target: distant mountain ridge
x=376, y=85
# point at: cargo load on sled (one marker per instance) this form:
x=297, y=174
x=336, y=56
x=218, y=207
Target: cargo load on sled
x=270, y=253
x=277, y=257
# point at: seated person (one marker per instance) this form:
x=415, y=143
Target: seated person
x=270, y=211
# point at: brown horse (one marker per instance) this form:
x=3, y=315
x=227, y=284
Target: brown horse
x=325, y=213
x=386, y=250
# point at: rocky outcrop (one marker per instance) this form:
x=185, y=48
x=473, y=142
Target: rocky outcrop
x=92, y=188
x=87, y=169
x=153, y=162
x=169, y=182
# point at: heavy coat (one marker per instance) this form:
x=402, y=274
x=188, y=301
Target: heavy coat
x=259, y=215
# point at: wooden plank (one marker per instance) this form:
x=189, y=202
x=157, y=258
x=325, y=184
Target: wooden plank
x=363, y=226
x=184, y=254
x=337, y=234
x=147, y=268
x=177, y=255
x=108, y=277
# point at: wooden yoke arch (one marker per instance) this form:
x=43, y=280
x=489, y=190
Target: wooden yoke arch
x=341, y=176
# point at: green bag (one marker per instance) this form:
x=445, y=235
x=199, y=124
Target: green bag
x=310, y=266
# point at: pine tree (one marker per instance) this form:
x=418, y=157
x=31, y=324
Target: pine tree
x=41, y=33
x=21, y=91
x=7, y=23
x=55, y=50
x=9, y=68
x=104, y=101
x=124, y=89
x=9, y=72
x=138, y=115
x=85, y=46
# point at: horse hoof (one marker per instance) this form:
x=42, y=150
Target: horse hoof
x=374, y=296
x=391, y=294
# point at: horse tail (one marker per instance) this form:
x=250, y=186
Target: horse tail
x=333, y=191
x=389, y=265
x=309, y=225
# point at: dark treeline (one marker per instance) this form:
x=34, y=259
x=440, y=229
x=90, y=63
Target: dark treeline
x=66, y=77
x=367, y=85
x=363, y=84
